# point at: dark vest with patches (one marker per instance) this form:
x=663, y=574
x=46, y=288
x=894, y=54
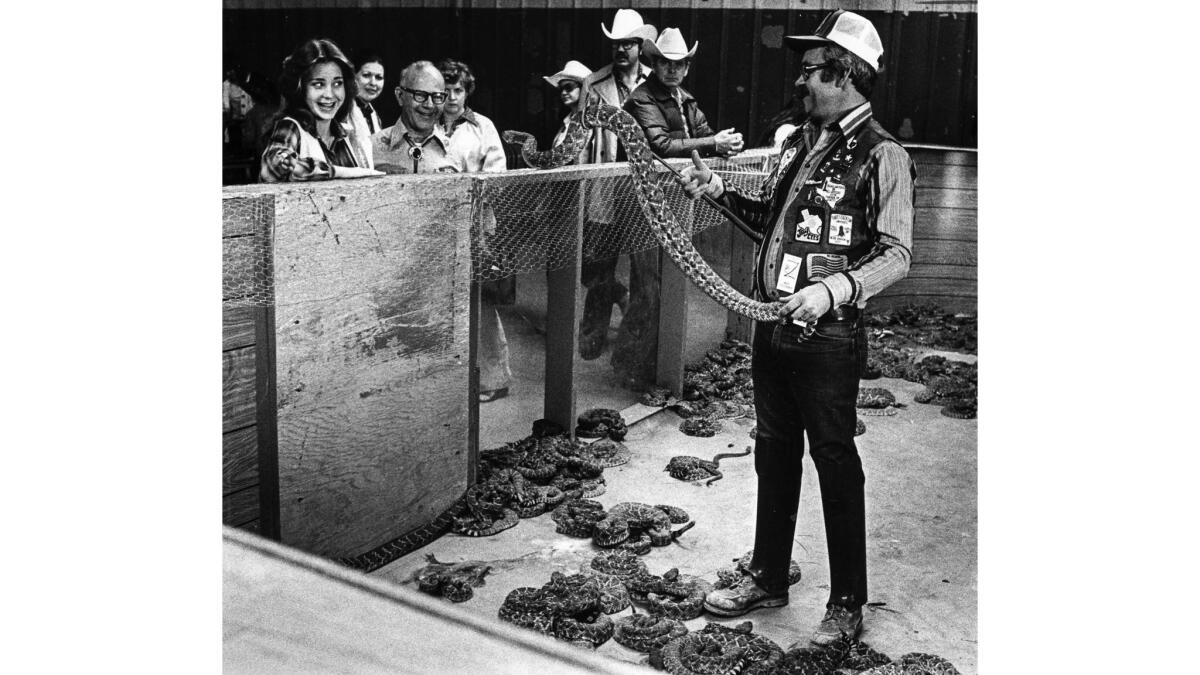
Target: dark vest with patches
x=829, y=226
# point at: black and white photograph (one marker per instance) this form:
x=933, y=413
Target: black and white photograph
x=599, y=336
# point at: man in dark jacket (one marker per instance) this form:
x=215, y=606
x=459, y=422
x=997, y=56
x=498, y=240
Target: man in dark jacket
x=674, y=126
x=668, y=113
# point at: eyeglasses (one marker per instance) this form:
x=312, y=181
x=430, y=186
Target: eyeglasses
x=626, y=44
x=568, y=86
x=439, y=97
x=806, y=70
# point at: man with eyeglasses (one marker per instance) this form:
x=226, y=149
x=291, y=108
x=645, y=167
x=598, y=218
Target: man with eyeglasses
x=836, y=215
x=417, y=143
x=606, y=212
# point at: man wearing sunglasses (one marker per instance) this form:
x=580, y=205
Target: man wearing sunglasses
x=606, y=212
x=416, y=143
x=837, y=215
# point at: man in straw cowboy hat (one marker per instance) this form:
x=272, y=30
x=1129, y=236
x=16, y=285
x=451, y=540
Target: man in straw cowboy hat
x=836, y=215
x=606, y=213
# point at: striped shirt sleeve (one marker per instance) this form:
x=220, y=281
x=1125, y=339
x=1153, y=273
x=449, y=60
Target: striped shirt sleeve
x=890, y=208
x=284, y=143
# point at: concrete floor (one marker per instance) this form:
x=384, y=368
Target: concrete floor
x=921, y=506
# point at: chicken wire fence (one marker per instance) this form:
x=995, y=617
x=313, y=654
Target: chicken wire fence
x=520, y=223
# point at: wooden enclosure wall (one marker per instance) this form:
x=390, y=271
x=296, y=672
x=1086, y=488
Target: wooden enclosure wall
x=371, y=328
x=945, y=234
x=249, y=488
x=742, y=74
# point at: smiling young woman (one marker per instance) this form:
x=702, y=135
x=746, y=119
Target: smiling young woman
x=310, y=140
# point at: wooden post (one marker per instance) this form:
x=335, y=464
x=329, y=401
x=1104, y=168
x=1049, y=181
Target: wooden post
x=473, y=385
x=562, y=324
x=673, y=315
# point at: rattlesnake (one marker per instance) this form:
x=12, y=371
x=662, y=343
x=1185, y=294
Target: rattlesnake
x=601, y=422
x=673, y=595
x=577, y=517
x=728, y=576
x=721, y=649
x=629, y=518
x=454, y=581
x=644, y=632
x=688, y=468
x=675, y=240
x=567, y=607
x=876, y=401
x=622, y=565
x=704, y=427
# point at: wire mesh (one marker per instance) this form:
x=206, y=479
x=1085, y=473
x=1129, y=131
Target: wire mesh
x=521, y=222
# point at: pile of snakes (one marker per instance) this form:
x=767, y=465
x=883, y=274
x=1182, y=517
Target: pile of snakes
x=895, y=339
x=629, y=526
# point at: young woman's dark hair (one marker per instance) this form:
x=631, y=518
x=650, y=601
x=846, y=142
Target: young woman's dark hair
x=296, y=69
x=364, y=56
x=457, y=72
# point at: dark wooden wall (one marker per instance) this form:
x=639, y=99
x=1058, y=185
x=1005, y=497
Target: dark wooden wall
x=742, y=75
x=249, y=482
x=945, y=235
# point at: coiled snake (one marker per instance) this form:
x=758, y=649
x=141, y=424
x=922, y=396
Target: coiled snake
x=675, y=239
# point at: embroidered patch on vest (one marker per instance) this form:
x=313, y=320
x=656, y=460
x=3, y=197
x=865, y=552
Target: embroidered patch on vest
x=840, y=226
x=809, y=227
x=789, y=273
x=832, y=192
x=821, y=265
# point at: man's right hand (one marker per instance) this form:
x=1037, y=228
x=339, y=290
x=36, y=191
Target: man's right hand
x=728, y=141
x=698, y=179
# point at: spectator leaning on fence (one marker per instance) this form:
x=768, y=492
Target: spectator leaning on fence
x=309, y=140
x=609, y=211
x=668, y=113
x=416, y=143
x=837, y=216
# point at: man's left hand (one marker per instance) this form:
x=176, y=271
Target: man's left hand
x=810, y=303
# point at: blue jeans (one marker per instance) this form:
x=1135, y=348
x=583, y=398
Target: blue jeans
x=809, y=385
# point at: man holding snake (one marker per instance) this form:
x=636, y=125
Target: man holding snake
x=836, y=215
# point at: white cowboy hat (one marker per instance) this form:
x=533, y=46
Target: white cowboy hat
x=574, y=70
x=670, y=45
x=628, y=25
x=847, y=30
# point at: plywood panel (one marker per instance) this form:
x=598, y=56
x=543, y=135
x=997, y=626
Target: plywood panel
x=372, y=357
x=237, y=394
x=239, y=452
x=918, y=288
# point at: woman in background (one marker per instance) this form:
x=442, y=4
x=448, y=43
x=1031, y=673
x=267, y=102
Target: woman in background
x=569, y=83
x=311, y=139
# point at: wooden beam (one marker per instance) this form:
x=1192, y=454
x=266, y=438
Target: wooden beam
x=562, y=323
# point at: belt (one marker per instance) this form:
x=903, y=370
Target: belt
x=843, y=313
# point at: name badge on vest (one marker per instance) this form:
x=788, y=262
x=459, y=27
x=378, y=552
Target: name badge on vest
x=789, y=273
x=788, y=156
x=821, y=265
x=840, y=226
x=809, y=227
x=832, y=192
